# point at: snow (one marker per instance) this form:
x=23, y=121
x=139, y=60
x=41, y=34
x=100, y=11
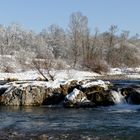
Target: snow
x=116, y=71
x=50, y=84
x=125, y=71
x=73, y=95
x=62, y=75
x=4, y=86
x=94, y=83
x=134, y=76
x=29, y=75
x=75, y=74
x=66, y=76
x=133, y=73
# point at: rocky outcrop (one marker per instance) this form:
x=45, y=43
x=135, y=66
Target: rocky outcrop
x=72, y=93
x=90, y=94
x=23, y=95
x=86, y=93
x=35, y=93
x=28, y=93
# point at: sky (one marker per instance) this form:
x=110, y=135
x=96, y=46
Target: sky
x=39, y=14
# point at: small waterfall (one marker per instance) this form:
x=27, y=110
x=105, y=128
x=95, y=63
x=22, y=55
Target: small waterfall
x=118, y=97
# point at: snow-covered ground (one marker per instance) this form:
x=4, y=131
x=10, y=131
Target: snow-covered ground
x=16, y=67
x=65, y=75
x=61, y=75
x=133, y=73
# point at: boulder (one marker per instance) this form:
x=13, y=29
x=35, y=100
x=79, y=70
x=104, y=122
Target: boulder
x=77, y=99
x=28, y=93
x=23, y=95
x=98, y=92
x=132, y=95
x=103, y=98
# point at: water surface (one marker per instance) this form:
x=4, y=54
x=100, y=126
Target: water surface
x=55, y=122
x=120, y=121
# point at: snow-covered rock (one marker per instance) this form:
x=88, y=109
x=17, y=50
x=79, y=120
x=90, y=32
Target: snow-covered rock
x=29, y=93
x=53, y=92
x=77, y=99
x=72, y=93
x=77, y=96
x=100, y=83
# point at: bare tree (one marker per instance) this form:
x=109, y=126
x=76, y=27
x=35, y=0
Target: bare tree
x=111, y=41
x=40, y=66
x=78, y=30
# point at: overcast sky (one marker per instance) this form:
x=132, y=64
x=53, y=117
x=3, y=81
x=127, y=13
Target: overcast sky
x=38, y=14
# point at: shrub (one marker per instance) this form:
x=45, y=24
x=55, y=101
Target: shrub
x=98, y=66
x=7, y=69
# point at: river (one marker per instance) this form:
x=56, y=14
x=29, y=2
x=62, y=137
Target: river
x=120, y=121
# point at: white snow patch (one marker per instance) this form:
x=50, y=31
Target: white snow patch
x=50, y=84
x=29, y=75
x=129, y=72
x=73, y=95
x=4, y=86
x=75, y=74
x=116, y=71
x=62, y=75
x=134, y=76
x=101, y=83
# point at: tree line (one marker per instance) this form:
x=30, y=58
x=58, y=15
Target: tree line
x=74, y=47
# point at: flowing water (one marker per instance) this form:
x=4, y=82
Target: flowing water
x=121, y=121
x=114, y=122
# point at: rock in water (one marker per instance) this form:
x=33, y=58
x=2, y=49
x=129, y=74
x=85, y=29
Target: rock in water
x=85, y=93
x=98, y=92
x=77, y=99
x=29, y=93
x=23, y=95
x=132, y=95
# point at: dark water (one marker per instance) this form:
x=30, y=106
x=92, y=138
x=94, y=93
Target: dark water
x=114, y=122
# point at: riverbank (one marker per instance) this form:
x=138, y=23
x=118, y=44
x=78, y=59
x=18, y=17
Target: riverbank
x=117, y=77
x=69, y=74
x=69, y=88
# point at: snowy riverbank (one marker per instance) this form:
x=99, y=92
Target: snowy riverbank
x=70, y=88
x=71, y=74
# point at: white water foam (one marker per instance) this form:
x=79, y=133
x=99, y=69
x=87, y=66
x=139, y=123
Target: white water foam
x=118, y=97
